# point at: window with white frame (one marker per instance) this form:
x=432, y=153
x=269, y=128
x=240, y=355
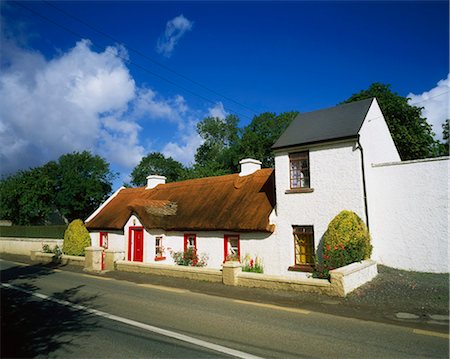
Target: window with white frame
x=299, y=170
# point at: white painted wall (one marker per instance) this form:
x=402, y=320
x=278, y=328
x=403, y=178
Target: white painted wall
x=409, y=215
x=375, y=138
x=115, y=239
x=336, y=178
x=263, y=245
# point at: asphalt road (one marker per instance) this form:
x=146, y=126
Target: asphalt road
x=90, y=316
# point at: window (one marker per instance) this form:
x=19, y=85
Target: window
x=304, y=248
x=299, y=168
x=159, y=249
x=231, y=247
x=104, y=240
x=190, y=241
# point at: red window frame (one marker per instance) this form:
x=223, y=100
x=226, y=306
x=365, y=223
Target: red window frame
x=225, y=245
x=161, y=257
x=100, y=241
x=186, y=240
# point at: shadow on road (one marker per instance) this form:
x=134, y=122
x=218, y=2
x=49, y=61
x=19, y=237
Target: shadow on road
x=31, y=326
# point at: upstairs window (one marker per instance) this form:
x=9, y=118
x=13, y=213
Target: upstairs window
x=190, y=241
x=299, y=170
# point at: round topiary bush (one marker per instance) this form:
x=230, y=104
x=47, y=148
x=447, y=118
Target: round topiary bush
x=76, y=238
x=346, y=240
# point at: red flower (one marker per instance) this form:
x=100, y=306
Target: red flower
x=326, y=257
x=328, y=248
x=251, y=263
x=335, y=247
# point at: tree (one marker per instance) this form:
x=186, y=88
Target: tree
x=219, y=152
x=74, y=186
x=259, y=136
x=156, y=163
x=84, y=181
x=27, y=198
x=444, y=151
x=410, y=131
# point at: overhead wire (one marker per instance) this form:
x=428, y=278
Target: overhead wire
x=77, y=35
x=140, y=53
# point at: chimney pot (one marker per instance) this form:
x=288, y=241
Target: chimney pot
x=154, y=180
x=249, y=166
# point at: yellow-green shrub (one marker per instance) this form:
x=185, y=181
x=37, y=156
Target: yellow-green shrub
x=76, y=238
x=346, y=240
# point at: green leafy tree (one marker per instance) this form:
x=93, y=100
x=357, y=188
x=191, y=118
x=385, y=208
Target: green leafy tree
x=76, y=238
x=444, y=147
x=411, y=133
x=27, y=198
x=262, y=132
x=156, y=163
x=84, y=181
x=219, y=152
x=74, y=187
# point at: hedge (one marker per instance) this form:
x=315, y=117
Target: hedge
x=33, y=231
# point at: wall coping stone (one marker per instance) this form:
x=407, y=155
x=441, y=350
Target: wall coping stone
x=353, y=267
x=316, y=282
x=173, y=267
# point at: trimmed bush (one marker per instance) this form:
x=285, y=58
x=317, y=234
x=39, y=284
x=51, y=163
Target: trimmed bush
x=347, y=240
x=76, y=238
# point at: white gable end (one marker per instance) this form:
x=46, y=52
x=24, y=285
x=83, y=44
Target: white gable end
x=376, y=139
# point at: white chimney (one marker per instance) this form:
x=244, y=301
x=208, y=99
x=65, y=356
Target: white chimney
x=154, y=180
x=248, y=166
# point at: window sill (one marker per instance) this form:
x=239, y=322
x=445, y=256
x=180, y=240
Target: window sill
x=301, y=268
x=299, y=190
x=159, y=258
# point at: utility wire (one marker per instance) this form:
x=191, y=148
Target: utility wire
x=79, y=36
x=148, y=57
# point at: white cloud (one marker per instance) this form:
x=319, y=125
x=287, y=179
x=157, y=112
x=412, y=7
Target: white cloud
x=436, y=103
x=87, y=100
x=148, y=104
x=69, y=103
x=175, y=29
x=218, y=111
x=184, y=150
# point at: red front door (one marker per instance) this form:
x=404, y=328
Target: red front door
x=138, y=245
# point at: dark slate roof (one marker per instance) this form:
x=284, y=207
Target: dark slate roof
x=229, y=203
x=339, y=122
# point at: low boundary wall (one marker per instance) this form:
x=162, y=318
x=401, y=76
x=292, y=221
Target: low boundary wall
x=46, y=258
x=23, y=246
x=342, y=280
x=205, y=274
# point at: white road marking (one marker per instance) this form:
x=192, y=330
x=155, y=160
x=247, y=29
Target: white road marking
x=150, y=328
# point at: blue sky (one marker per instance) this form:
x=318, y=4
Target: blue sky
x=118, y=91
